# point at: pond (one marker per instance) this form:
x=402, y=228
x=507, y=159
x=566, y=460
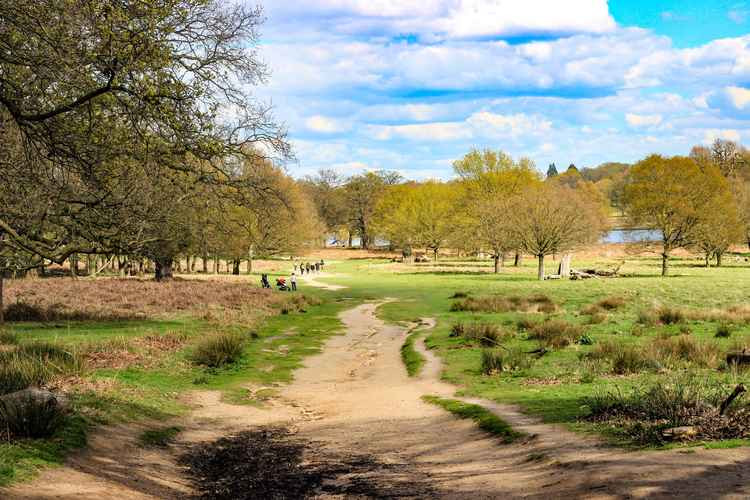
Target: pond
x=631, y=235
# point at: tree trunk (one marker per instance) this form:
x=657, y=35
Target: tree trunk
x=205, y=263
x=250, y=255
x=497, y=263
x=664, y=264
x=351, y=242
x=2, y=303
x=188, y=262
x=192, y=264
x=518, y=259
x=719, y=256
x=216, y=265
x=163, y=268
x=236, y=267
x=435, y=254
x=73, y=260
x=707, y=258
x=540, y=273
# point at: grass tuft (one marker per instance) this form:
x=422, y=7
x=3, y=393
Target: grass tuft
x=218, y=350
x=556, y=333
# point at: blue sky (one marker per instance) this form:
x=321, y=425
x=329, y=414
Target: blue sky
x=413, y=85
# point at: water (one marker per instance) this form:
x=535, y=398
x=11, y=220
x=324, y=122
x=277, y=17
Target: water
x=631, y=235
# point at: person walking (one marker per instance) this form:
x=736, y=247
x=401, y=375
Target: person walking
x=293, y=279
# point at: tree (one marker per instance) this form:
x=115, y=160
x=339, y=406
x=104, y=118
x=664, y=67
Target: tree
x=551, y=170
x=490, y=180
x=720, y=227
x=672, y=196
x=327, y=193
x=362, y=194
x=550, y=218
x=111, y=96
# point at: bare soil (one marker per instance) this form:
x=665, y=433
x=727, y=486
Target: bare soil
x=352, y=425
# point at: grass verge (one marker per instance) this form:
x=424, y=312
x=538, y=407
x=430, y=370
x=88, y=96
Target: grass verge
x=411, y=358
x=485, y=419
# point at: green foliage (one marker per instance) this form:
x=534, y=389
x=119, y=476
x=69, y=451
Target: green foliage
x=35, y=363
x=8, y=337
x=485, y=419
x=29, y=417
x=723, y=331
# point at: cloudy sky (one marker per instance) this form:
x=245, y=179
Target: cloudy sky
x=411, y=85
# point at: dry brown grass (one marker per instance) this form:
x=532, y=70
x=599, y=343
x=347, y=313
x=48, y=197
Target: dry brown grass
x=501, y=303
x=556, y=333
x=56, y=299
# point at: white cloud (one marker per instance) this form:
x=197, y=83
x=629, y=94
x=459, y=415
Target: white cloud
x=480, y=124
x=440, y=19
x=635, y=120
x=713, y=134
x=325, y=125
x=739, y=97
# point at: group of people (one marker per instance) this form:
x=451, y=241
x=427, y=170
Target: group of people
x=301, y=268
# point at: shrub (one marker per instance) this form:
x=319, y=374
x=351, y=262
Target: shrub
x=486, y=334
x=8, y=337
x=670, y=315
x=459, y=295
x=492, y=361
x=597, y=318
x=218, y=350
x=723, y=331
x=498, y=303
x=624, y=358
x=18, y=372
x=556, y=333
x=647, y=317
x=684, y=348
x=458, y=330
x=645, y=412
x=30, y=417
x=526, y=324
x=611, y=303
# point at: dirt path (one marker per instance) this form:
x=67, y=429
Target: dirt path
x=355, y=398
x=312, y=280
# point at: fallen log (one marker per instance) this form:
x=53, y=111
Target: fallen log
x=735, y=394
x=738, y=358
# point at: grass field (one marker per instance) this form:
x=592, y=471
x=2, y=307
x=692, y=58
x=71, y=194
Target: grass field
x=558, y=386
x=142, y=369
x=560, y=349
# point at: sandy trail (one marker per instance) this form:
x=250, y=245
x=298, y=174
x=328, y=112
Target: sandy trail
x=355, y=396
x=312, y=280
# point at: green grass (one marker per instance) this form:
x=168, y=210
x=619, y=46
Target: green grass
x=411, y=358
x=485, y=419
x=269, y=357
x=159, y=438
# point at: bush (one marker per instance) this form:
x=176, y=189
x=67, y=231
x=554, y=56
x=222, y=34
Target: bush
x=556, y=333
x=487, y=334
x=218, y=350
x=624, y=358
x=460, y=295
x=670, y=315
x=646, y=411
x=498, y=304
x=647, y=318
x=723, y=331
x=457, y=330
x=30, y=417
x=492, y=361
x=597, y=318
x=526, y=324
x=8, y=338
x=499, y=360
x=611, y=303
x=35, y=364
x=686, y=349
